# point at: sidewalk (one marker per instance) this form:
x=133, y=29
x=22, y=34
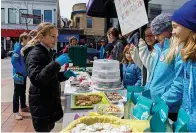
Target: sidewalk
x=9, y=124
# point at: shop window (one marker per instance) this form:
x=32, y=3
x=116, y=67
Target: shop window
x=77, y=22
x=37, y=13
x=89, y=22
x=2, y=15
x=23, y=19
x=48, y=16
x=11, y=15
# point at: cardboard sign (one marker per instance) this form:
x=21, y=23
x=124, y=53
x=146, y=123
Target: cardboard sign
x=131, y=14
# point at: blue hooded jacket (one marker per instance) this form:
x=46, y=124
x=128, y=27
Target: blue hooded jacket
x=131, y=75
x=188, y=72
x=164, y=81
x=18, y=61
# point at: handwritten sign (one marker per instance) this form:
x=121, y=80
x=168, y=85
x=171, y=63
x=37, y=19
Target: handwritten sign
x=131, y=14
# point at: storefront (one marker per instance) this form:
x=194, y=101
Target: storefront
x=9, y=37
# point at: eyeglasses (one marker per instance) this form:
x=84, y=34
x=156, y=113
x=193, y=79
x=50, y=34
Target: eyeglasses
x=149, y=35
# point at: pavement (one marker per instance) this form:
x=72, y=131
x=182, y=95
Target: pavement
x=8, y=122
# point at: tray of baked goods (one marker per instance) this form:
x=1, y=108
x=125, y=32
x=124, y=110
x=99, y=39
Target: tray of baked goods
x=88, y=100
x=116, y=96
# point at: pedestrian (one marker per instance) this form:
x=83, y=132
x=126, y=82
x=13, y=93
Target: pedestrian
x=184, y=29
x=43, y=72
x=113, y=38
x=108, y=49
x=163, y=81
x=72, y=42
x=19, y=76
x=131, y=72
x=102, y=49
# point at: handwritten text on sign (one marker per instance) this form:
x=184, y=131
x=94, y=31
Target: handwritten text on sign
x=131, y=14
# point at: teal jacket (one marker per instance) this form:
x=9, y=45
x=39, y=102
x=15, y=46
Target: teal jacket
x=188, y=73
x=163, y=81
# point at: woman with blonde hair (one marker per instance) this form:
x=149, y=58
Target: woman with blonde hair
x=163, y=81
x=184, y=30
x=43, y=72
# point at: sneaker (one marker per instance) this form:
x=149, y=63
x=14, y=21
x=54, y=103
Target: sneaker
x=26, y=109
x=18, y=116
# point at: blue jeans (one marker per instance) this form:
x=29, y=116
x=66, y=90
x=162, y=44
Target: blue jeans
x=19, y=94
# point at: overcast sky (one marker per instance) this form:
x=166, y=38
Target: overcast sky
x=66, y=6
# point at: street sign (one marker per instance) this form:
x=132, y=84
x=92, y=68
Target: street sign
x=31, y=16
x=131, y=14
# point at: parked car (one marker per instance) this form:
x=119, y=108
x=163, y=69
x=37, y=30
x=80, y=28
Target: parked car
x=92, y=54
x=3, y=53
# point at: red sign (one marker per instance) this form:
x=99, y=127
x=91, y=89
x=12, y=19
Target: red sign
x=12, y=32
x=31, y=16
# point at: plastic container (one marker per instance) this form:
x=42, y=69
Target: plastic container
x=104, y=64
x=105, y=74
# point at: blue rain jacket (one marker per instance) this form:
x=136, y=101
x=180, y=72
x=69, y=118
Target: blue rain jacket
x=131, y=75
x=189, y=93
x=18, y=61
x=164, y=81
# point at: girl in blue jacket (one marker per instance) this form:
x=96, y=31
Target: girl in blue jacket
x=163, y=81
x=131, y=72
x=184, y=29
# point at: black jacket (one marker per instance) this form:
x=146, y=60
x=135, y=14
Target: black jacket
x=44, y=93
x=117, y=52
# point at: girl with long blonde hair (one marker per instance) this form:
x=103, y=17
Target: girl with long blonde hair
x=43, y=72
x=184, y=30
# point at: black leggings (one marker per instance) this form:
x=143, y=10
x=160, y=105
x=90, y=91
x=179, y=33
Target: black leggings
x=19, y=94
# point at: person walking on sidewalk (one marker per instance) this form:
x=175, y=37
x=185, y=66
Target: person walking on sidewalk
x=43, y=72
x=19, y=76
x=102, y=49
